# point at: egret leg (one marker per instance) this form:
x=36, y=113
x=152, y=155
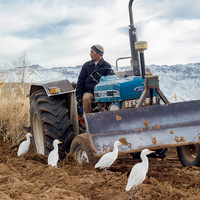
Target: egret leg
x=137, y=192
x=22, y=158
x=106, y=171
x=132, y=193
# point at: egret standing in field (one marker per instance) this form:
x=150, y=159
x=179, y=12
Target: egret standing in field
x=138, y=172
x=54, y=156
x=24, y=146
x=109, y=158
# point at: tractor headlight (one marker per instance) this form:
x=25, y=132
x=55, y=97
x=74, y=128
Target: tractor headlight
x=113, y=107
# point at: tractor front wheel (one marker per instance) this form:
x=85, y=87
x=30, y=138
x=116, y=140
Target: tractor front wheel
x=81, y=149
x=189, y=155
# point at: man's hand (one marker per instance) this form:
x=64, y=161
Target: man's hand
x=78, y=98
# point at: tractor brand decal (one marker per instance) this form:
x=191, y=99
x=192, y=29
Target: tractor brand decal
x=139, y=89
x=110, y=93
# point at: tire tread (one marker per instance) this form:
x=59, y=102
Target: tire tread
x=55, y=121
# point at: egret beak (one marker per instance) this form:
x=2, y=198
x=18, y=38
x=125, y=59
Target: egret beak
x=152, y=151
x=120, y=144
x=60, y=142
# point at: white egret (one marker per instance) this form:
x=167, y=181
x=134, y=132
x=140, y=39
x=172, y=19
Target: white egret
x=109, y=158
x=54, y=156
x=24, y=146
x=138, y=172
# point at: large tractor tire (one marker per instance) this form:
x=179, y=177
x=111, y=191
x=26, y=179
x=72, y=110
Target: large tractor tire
x=49, y=121
x=81, y=149
x=189, y=155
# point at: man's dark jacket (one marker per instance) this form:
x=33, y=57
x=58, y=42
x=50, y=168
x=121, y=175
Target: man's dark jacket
x=85, y=82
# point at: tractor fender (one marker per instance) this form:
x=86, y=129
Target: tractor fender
x=62, y=86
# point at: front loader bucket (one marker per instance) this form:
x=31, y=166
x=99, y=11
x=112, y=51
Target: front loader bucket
x=152, y=127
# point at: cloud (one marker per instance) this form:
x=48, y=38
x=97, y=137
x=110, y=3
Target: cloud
x=176, y=41
x=60, y=33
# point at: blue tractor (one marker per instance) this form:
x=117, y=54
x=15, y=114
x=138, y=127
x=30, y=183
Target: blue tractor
x=127, y=108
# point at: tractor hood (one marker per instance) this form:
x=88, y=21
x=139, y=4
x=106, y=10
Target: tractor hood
x=112, y=88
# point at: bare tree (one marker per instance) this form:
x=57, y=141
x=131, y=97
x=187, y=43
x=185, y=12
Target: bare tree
x=2, y=82
x=21, y=67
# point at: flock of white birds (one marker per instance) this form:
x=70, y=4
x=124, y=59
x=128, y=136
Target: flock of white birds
x=138, y=172
x=136, y=177
x=53, y=156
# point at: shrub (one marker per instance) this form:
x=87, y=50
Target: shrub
x=14, y=112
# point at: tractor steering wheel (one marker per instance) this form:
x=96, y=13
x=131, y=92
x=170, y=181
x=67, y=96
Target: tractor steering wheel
x=97, y=70
x=111, y=71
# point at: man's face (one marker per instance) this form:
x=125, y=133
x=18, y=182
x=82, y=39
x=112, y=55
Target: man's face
x=94, y=55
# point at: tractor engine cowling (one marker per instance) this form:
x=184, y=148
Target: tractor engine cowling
x=113, y=93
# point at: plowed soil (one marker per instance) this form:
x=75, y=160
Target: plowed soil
x=34, y=179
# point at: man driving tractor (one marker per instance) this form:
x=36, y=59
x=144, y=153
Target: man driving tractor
x=89, y=76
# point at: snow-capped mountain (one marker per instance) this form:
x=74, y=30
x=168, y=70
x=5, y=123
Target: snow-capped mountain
x=180, y=80
x=37, y=73
x=184, y=80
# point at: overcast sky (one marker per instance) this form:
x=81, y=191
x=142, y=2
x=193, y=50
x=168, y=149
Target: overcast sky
x=57, y=33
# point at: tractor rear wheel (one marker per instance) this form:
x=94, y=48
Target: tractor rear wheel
x=49, y=121
x=189, y=155
x=81, y=149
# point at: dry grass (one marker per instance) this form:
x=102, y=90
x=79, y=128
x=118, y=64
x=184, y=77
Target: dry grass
x=14, y=111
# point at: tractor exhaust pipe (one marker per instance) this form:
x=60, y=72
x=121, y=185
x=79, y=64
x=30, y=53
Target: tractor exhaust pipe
x=133, y=39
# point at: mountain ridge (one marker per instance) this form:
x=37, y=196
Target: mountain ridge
x=182, y=80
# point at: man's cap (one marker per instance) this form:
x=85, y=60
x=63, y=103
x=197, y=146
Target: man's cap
x=98, y=48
